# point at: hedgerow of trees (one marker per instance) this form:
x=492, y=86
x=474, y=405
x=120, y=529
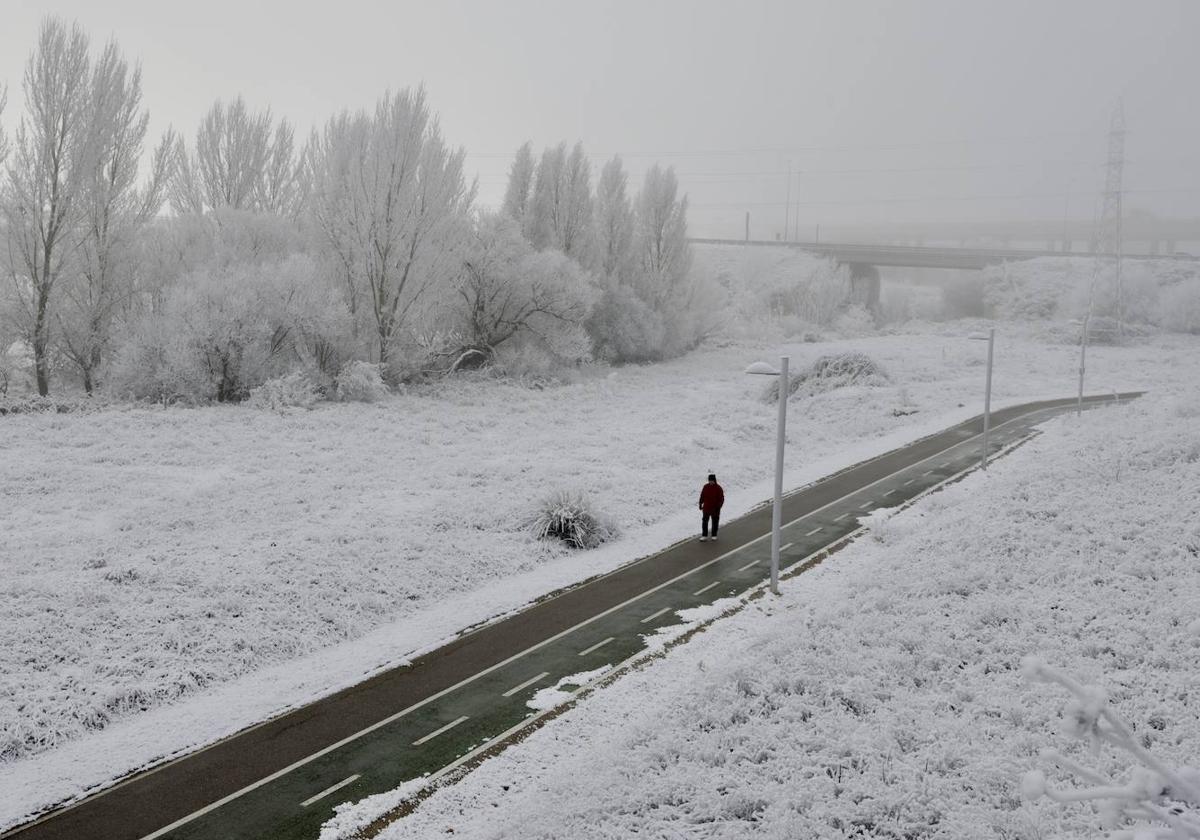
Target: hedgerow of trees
x=202, y=267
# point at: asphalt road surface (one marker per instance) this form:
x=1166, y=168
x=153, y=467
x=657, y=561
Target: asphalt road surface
x=281, y=779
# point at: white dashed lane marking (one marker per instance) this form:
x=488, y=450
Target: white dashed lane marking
x=438, y=732
x=330, y=790
x=596, y=646
x=704, y=589
x=526, y=684
x=653, y=616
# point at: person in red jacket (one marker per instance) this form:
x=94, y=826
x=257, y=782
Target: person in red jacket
x=711, y=499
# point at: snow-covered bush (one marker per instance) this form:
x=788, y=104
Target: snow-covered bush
x=624, y=328
x=156, y=362
x=964, y=297
x=225, y=329
x=296, y=390
x=1034, y=289
x=1155, y=802
x=508, y=293
x=361, y=382
x=569, y=516
x=855, y=322
x=1179, y=306
x=827, y=373
x=776, y=289
x=31, y=403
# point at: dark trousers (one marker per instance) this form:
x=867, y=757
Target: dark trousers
x=715, y=516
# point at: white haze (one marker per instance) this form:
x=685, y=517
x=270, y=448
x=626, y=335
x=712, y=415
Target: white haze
x=958, y=110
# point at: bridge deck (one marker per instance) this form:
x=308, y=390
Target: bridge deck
x=925, y=256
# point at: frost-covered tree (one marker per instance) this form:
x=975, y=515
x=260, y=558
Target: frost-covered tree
x=3, y=136
x=518, y=193
x=46, y=180
x=390, y=198
x=660, y=239
x=507, y=290
x=241, y=160
x=115, y=208
x=561, y=208
x=614, y=225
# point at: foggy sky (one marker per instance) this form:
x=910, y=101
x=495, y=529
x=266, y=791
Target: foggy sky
x=973, y=109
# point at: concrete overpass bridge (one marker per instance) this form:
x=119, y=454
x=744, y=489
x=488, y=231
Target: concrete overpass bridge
x=926, y=256
x=864, y=261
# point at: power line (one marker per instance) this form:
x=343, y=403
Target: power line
x=992, y=140
x=929, y=198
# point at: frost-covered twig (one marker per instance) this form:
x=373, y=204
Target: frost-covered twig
x=1154, y=793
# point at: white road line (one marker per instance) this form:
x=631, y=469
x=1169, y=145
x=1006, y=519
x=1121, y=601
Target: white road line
x=840, y=518
x=438, y=732
x=893, y=492
x=813, y=531
x=525, y=684
x=706, y=588
x=927, y=472
x=596, y=646
x=748, y=565
x=653, y=616
x=330, y=790
x=866, y=504
x=266, y=780
x=910, y=481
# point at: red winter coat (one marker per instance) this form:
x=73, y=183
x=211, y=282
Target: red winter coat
x=711, y=497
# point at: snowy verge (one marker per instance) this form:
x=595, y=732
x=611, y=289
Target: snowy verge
x=883, y=695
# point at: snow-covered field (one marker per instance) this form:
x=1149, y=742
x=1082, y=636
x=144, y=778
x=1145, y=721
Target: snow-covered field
x=882, y=695
x=171, y=576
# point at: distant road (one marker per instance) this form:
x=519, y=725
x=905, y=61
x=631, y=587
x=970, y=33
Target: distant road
x=921, y=256
x=281, y=780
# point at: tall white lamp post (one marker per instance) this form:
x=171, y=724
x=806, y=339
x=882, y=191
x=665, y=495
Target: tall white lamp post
x=1083, y=337
x=764, y=369
x=987, y=395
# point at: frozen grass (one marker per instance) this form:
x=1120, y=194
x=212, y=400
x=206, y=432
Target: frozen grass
x=244, y=561
x=882, y=696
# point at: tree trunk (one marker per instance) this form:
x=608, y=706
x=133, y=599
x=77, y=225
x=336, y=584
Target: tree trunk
x=40, y=343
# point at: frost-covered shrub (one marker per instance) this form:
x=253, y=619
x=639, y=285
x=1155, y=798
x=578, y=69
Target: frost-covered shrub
x=1179, y=307
x=769, y=287
x=1154, y=802
x=1033, y=289
x=34, y=404
x=156, y=362
x=964, y=297
x=296, y=390
x=568, y=515
x=831, y=372
x=625, y=329
x=855, y=322
x=223, y=330
x=361, y=381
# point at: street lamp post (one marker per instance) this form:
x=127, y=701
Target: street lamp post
x=1083, y=337
x=764, y=369
x=987, y=397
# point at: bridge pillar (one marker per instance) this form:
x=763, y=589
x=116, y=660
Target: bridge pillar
x=864, y=286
